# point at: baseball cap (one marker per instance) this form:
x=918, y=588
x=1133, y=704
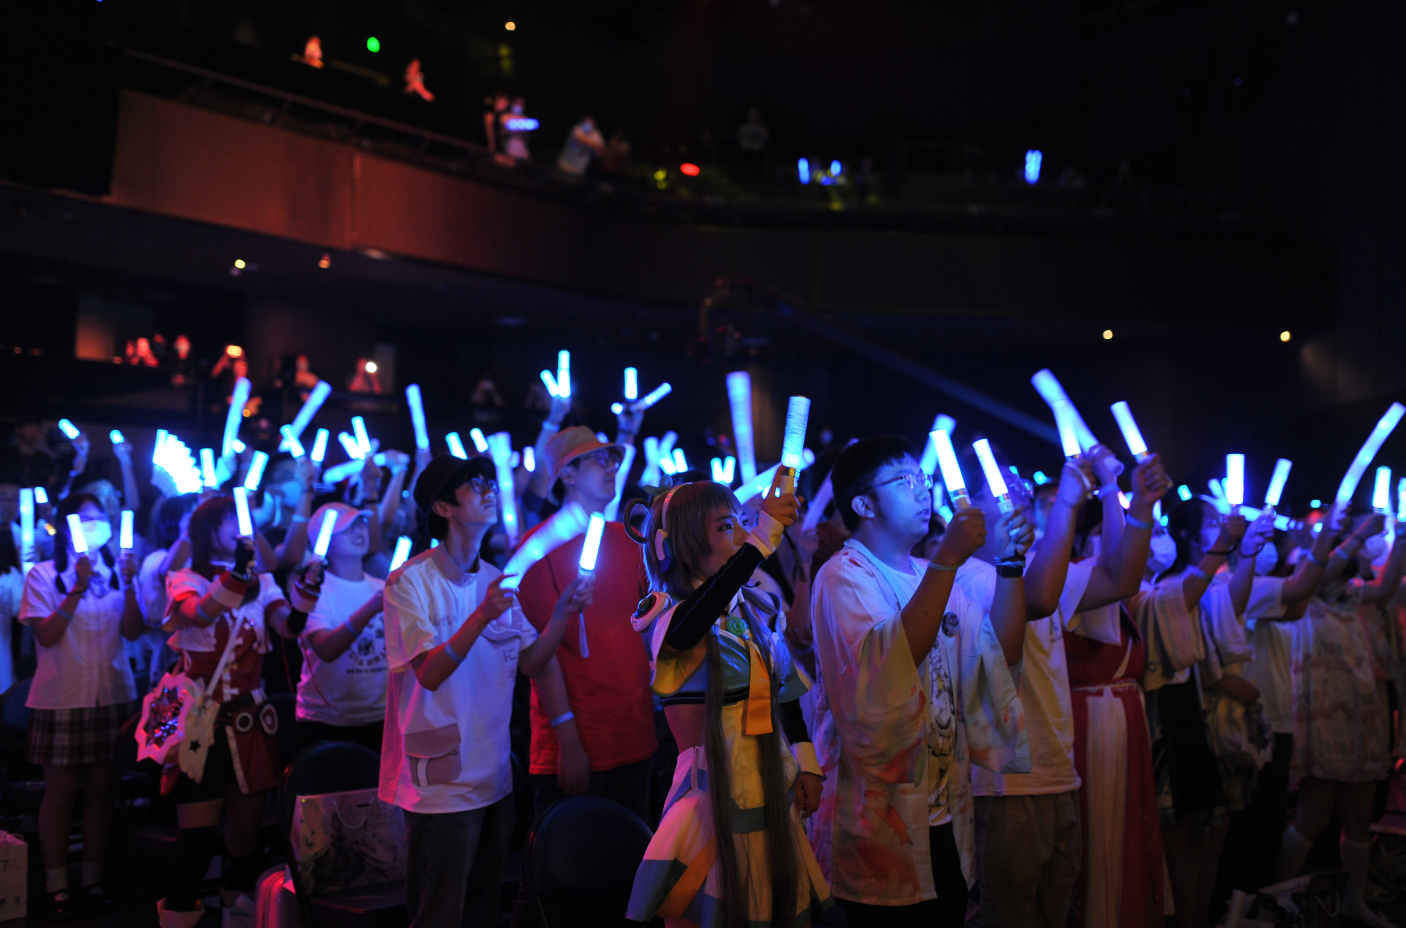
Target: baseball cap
x=346, y=515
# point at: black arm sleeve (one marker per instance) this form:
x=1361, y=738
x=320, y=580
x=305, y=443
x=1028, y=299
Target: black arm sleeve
x=705, y=605
x=793, y=722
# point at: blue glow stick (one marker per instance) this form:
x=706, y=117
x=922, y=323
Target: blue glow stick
x=951, y=471
x=315, y=399
x=622, y=476
x=591, y=549
x=680, y=462
x=655, y=395
x=1132, y=435
x=26, y=526
x=480, y=443
x=632, y=384
x=995, y=480
x=529, y=459
x=1400, y=500
x=1369, y=450
x=1381, y=492
x=363, y=440
x=564, y=373
x=739, y=397
x=319, y=446
x=617, y=408
x=550, y=381
x=207, y=467
x=758, y=484
x=716, y=464
x=650, y=477
x=124, y=537
x=568, y=522
x=350, y=446
x=945, y=423
x=456, y=446
x=816, y=509
x=235, y=414
x=1235, y=479
x=794, y=437
x=417, y=416
x=1184, y=492
x=324, y=534
x=338, y=473
x=500, y=445
x=160, y=442
x=41, y=496
x=1276, y=483
x=294, y=446
x=75, y=534
x=115, y=436
x=667, y=465
x=238, y=446
x=256, y=471
x=241, y=510
x=1053, y=393
x=69, y=429
x=1217, y=489
x=402, y=551
x=1064, y=415
x=729, y=469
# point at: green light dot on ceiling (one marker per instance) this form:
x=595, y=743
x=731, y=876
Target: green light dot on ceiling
x=373, y=44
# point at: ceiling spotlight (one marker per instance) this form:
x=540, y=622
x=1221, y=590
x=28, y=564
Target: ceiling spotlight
x=1284, y=336
x=371, y=367
x=239, y=263
x=1107, y=334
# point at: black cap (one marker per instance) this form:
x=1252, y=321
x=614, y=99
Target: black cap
x=446, y=472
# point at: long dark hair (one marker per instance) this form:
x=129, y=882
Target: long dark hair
x=691, y=510
x=166, y=519
x=204, y=522
x=1184, y=524
x=67, y=506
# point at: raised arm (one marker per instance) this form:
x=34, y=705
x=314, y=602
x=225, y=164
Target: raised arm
x=1049, y=567
x=1014, y=537
x=1242, y=581
x=227, y=592
x=1119, y=575
x=1382, y=589
x=540, y=484
x=434, y=666
x=922, y=617
x=331, y=643
x=1308, y=574
x=1198, y=579
x=295, y=543
x=1342, y=555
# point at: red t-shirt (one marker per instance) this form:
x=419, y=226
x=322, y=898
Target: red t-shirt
x=609, y=691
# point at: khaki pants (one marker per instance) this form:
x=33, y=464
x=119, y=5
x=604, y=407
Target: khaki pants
x=1028, y=851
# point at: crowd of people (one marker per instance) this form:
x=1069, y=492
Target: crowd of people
x=1053, y=707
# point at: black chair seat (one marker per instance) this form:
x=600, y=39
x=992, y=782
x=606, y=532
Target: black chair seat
x=584, y=848
x=379, y=906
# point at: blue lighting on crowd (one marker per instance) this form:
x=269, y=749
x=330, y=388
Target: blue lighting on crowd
x=1033, y=157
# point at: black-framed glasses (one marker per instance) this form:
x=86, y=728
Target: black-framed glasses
x=481, y=486
x=605, y=459
x=913, y=481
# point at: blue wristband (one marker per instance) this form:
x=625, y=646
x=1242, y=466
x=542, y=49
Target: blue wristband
x=562, y=719
x=453, y=656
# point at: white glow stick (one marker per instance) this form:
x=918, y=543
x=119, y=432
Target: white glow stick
x=69, y=430
x=160, y=441
x=1235, y=479
x=294, y=446
x=350, y=446
x=1217, y=489
x=816, y=511
x=319, y=446
x=632, y=384
x=730, y=469
x=41, y=496
x=402, y=551
x=1132, y=435
x=568, y=522
x=951, y=471
x=1068, y=433
x=1400, y=500
x=564, y=373
x=1283, y=523
x=995, y=480
x=1369, y=450
x=1276, y=483
x=1052, y=392
x=650, y=477
x=667, y=465
x=75, y=534
x=363, y=440
x=338, y=473
x=417, y=416
x=758, y=484
x=1381, y=491
x=480, y=443
x=456, y=446
x=124, y=537
x=324, y=534
x=314, y=402
x=235, y=414
x=928, y=463
x=794, y=437
x=739, y=397
x=207, y=467
x=550, y=381
x=500, y=445
x=622, y=476
x=654, y=396
x=716, y=465
x=529, y=458
x=256, y=471
x=26, y=526
x=591, y=549
x=680, y=462
x=115, y=436
x=238, y=446
x=241, y=511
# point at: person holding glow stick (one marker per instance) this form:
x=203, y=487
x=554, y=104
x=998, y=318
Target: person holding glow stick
x=342, y=691
x=220, y=614
x=454, y=641
x=16, y=511
x=603, y=747
x=282, y=536
x=914, y=686
x=167, y=535
x=80, y=605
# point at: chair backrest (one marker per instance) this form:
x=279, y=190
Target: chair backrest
x=584, y=847
x=326, y=767
x=15, y=715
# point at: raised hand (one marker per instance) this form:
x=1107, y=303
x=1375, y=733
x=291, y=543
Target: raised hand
x=1150, y=481
x=1105, y=464
x=965, y=535
x=497, y=601
x=577, y=595
x=1075, y=482
x=1231, y=531
x=1259, y=534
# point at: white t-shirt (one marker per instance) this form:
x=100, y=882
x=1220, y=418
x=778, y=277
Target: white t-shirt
x=447, y=750
x=88, y=666
x=352, y=689
x=1044, y=688
x=1273, y=641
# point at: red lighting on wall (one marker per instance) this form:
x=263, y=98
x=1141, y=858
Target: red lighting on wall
x=690, y=170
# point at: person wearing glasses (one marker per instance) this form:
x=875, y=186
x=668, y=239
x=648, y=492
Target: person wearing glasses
x=602, y=742
x=914, y=686
x=455, y=642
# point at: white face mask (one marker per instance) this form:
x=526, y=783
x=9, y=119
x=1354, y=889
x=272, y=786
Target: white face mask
x=96, y=533
x=1266, y=560
x=1163, y=551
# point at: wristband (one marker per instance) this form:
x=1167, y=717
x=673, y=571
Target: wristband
x=453, y=655
x=1321, y=562
x=1221, y=553
x=804, y=753
x=562, y=719
x=549, y=427
x=64, y=612
x=1196, y=569
x=934, y=565
x=1010, y=571
x=229, y=591
x=298, y=518
x=1107, y=490
x=201, y=612
x=767, y=535
x=1145, y=524
x=352, y=628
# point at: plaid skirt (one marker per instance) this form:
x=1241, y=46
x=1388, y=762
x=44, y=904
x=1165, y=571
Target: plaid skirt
x=76, y=737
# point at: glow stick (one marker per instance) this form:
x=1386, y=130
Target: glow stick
x=739, y=397
x=632, y=383
x=667, y=465
x=295, y=447
x=794, y=438
x=654, y=396
x=116, y=437
x=417, y=417
x=256, y=471
x=314, y=402
x=480, y=443
x=617, y=408
x=75, y=534
x=928, y=463
x=717, y=467
x=238, y=446
x=41, y=496
x=1276, y=483
x=500, y=445
x=730, y=469
x=1132, y=435
x=241, y=510
x=1235, y=479
x=995, y=480
x=1068, y=433
x=26, y=525
x=324, y=534
x=319, y=445
x=1381, y=492
x=1050, y=390
x=680, y=462
x=951, y=471
x=529, y=458
x=1400, y=500
x=650, y=477
x=1283, y=523
x=1369, y=451
x=568, y=522
x=235, y=414
x=402, y=551
x=758, y=484
x=70, y=431
x=817, y=506
x=340, y=472
x=350, y=446
x=622, y=476
x=160, y=441
x=359, y=431
x=124, y=537
x=564, y=373
x=1217, y=489
x=591, y=549
x=550, y=381
x=456, y=446
x=207, y=467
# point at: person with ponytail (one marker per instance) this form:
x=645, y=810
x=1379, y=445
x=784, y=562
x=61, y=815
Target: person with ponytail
x=80, y=607
x=219, y=612
x=730, y=850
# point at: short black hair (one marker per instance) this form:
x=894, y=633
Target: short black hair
x=436, y=526
x=856, y=466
